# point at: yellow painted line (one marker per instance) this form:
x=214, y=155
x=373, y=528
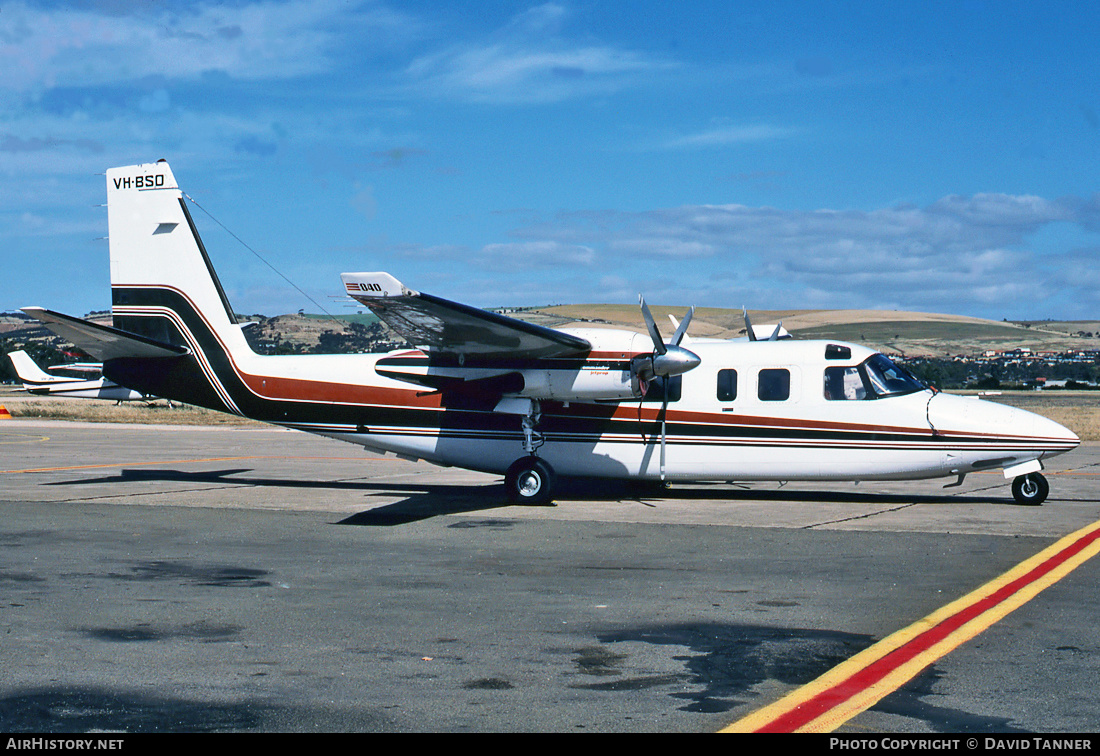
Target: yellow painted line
x=21, y=438
x=862, y=681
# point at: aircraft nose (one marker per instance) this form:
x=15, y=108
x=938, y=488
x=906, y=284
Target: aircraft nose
x=971, y=415
x=1045, y=428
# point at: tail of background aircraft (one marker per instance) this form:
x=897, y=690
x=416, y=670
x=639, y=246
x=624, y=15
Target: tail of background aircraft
x=29, y=372
x=37, y=381
x=164, y=288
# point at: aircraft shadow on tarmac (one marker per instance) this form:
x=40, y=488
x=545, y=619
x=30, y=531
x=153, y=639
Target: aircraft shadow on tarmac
x=424, y=501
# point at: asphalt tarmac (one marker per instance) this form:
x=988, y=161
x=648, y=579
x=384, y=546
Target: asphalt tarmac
x=157, y=578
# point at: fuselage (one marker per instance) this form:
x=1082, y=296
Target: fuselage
x=99, y=388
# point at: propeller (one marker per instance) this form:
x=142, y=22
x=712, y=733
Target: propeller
x=667, y=360
x=752, y=334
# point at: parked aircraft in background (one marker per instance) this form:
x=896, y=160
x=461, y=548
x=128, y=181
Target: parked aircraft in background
x=488, y=392
x=37, y=381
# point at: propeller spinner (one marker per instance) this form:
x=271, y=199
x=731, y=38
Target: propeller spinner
x=667, y=359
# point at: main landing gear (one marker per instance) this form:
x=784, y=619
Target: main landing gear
x=530, y=480
x=1030, y=489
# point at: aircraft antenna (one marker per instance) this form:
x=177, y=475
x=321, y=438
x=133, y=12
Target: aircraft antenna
x=261, y=258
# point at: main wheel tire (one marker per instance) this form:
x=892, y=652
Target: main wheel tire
x=1030, y=489
x=530, y=481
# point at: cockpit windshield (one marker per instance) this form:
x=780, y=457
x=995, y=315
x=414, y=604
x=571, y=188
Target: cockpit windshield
x=888, y=379
x=877, y=378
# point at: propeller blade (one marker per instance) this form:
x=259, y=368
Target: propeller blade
x=664, y=417
x=658, y=342
x=666, y=359
x=776, y=332
x=681, y=330
x=748, y=325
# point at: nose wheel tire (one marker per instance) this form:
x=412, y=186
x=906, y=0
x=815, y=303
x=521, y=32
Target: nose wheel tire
x=529, y=481
x=1030, y=489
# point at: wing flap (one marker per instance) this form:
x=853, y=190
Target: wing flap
x=102, y=342
x=451, y=328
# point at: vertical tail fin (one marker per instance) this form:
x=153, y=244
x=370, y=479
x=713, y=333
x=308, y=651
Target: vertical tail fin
x=163, y=287
x=155, y=245
x=29, y=372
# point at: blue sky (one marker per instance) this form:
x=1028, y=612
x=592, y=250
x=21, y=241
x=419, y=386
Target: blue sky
x=941, y=157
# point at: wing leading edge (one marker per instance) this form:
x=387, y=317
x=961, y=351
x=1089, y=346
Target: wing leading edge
x=455, y=329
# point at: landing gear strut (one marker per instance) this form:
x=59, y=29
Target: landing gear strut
x=1030, y=489
x=530, y=480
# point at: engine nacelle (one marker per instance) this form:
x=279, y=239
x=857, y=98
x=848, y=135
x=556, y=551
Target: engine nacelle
x=588, y=384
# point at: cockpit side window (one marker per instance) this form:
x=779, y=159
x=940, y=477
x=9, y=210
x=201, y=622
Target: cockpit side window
x=888, y=379
x=844, y=383
x=876, y=378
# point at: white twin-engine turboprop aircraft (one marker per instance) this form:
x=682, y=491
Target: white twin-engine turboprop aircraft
x=492, y=393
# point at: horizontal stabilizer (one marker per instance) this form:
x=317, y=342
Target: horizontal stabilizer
x=102, y=342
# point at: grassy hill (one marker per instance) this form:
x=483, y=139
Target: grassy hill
x=909, y=333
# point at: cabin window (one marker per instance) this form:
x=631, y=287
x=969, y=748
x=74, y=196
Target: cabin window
x=838, y=352
x=727, y=385
x=844, y=383
x=774, y=385
x=655, y=390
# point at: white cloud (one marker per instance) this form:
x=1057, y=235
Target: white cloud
x=529, y=61
x=83, y=46
x=959, y=254
x=727, y=135
x=527, y=255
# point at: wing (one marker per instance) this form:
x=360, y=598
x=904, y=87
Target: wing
x=450, y=328
x=102, y=342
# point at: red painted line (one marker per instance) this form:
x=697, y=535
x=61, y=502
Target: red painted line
x=876, y=671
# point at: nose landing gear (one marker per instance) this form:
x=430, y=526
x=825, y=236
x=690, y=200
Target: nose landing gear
x=1031, y=489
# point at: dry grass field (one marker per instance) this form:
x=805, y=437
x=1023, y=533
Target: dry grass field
x=895, y=332
x=98, y=411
